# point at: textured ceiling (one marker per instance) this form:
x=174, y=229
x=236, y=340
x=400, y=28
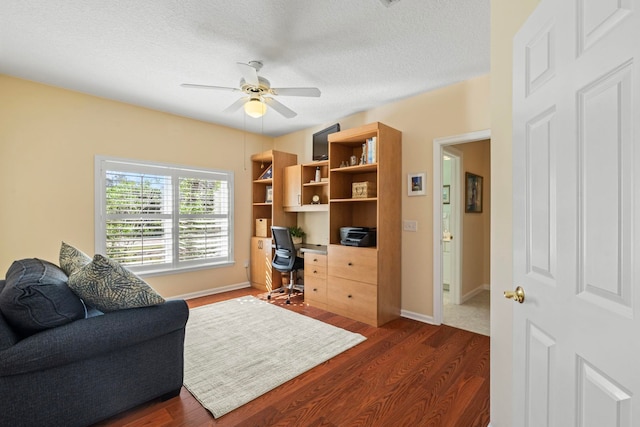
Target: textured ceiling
x=359, y=53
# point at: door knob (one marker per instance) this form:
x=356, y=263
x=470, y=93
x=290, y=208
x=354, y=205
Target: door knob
x=517, y=295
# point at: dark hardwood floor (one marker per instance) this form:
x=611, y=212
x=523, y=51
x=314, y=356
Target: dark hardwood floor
x=406, y=373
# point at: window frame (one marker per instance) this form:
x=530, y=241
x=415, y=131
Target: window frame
x=106, y=163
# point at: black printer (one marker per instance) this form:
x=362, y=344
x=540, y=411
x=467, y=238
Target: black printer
x=358, y=236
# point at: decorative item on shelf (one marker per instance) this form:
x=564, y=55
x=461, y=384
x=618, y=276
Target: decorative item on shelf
x=315, y=199
x=416, y=184
x=318, y=174
x=267, y=174
x=297, y=234
x=344, y=164
x=269, y=194
x=263, y=227
x=363, y=190
x=354, y=161
x=363, y=156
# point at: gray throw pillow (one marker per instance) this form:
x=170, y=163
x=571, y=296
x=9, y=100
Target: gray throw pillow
x=72, y=259
x=36, y=297
x=108, y=286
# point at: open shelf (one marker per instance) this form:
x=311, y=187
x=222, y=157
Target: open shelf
x=352, y=199
x=263, y=181
x=372, y=167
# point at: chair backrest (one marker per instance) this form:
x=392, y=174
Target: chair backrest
x=285, y=254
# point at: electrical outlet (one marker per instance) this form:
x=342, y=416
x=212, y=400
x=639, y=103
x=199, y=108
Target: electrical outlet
x=410, y=225
x=246, y=263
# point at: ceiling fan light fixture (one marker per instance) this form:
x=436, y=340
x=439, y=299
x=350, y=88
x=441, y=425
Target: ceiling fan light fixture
x=255, y=108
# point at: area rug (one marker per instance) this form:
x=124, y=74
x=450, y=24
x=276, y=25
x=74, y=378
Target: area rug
x=239, y=349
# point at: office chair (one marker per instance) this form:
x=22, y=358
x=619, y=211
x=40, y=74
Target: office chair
x=285, y=259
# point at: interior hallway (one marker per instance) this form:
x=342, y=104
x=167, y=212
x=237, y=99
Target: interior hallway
x=472, y=315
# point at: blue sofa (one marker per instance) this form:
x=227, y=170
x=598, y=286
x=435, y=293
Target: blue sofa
x=90, y=369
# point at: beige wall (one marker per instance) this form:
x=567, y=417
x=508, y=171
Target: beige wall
x=452, y=110
x=48, y=140
x=50, y=136
x=507, y=17
x=476, y=227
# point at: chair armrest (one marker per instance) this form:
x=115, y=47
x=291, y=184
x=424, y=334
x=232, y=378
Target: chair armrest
x=86, y=338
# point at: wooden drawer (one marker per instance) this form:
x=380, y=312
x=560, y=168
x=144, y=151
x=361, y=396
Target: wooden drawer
x=311, y=259
x=315, y=289
x=315, y=271
x=353, y=299
x=315, y=265
x=360, y=264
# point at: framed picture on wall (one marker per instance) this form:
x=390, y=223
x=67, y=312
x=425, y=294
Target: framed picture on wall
x=446, y=197
x=472, y=193
x=416, y=184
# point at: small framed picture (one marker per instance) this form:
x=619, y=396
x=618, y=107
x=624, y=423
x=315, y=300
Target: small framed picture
x=446, y=191
x=417, y=184
x=269, y=196
x=472, y=193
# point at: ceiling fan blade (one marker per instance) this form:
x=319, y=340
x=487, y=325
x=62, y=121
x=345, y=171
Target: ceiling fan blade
x=296, y=91
x=280, y=108
x=249, y=74
x=194, y=86
x=236, y=105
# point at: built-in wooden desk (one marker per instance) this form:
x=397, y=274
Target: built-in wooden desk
x=311, y=248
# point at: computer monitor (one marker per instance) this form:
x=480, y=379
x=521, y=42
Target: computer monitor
x=321, y=142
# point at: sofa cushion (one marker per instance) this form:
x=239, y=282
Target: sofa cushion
x=72, y=259
x=108, y=286
x=36, y=297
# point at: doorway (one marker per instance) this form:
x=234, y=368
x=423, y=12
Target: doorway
x=461, y=260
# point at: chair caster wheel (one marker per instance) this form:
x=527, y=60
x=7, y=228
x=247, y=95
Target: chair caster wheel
x=268, y=296
x=288, y=302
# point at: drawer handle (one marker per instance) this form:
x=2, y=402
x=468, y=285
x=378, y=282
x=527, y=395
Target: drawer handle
x=315, y=271
x=349, y=296
x=315, y=260
x=315, y=289
x=350, y=264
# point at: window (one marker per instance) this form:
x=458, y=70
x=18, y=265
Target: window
x=160, y=218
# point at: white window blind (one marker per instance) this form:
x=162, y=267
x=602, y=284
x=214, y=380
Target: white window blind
x=156, y=218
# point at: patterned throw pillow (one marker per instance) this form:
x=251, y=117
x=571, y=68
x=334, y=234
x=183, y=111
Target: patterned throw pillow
x=72, y=259
x=108, y=286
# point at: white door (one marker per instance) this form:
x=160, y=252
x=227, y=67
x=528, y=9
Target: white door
x=450, y=223
x=576, y=214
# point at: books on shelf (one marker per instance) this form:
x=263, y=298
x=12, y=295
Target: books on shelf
x=370, y=150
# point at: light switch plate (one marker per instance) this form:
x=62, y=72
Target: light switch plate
x=410, y=225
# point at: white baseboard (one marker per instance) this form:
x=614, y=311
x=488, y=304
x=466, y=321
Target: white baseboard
x=417, y=316
x=466, y=297
x=213, y=291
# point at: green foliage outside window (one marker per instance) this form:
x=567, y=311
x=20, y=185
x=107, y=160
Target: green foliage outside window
x=139, y=224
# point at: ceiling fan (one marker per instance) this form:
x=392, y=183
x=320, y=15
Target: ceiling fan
x=259, y=92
